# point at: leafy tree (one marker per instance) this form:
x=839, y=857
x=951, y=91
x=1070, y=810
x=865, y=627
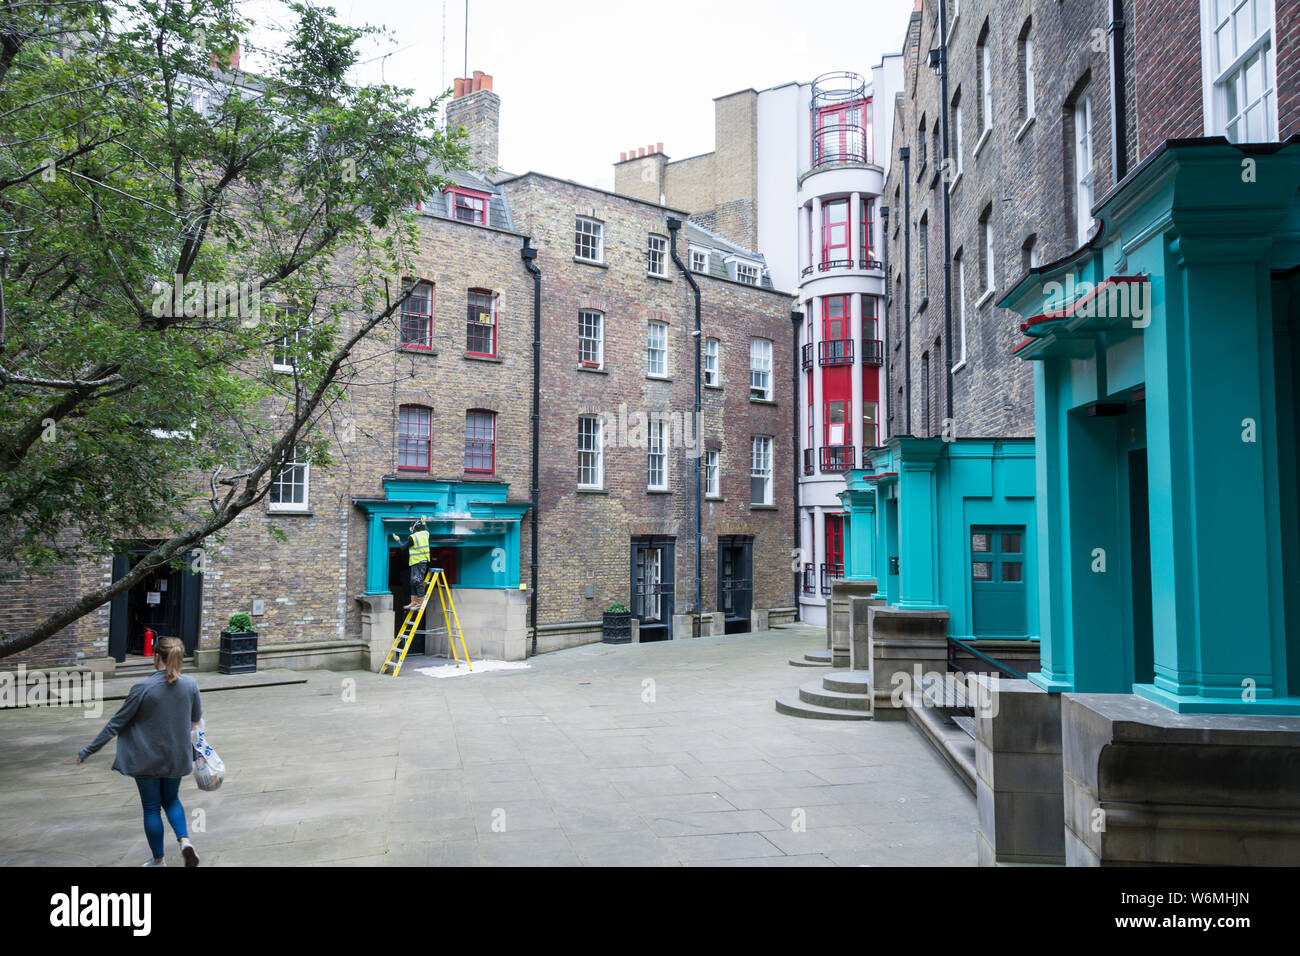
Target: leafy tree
x=135, y=160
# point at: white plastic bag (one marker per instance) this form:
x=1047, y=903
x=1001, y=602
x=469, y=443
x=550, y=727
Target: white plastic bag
x=209, y=768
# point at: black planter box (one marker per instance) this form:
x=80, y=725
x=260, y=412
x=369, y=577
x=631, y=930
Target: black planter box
x=238, y=653
x=616, y=628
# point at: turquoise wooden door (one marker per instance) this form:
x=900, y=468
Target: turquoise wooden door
x=997, y=576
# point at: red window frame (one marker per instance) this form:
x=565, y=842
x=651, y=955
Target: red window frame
x=475, y=302
x=845, y=318
x=480, y=437
x=865, y=228
x=470, y=200
x=831, y=230
x=414, y=433
x=413, y=319
x=835, y=540
x=840, y=145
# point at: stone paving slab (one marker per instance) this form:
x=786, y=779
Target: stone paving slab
x=665, y=754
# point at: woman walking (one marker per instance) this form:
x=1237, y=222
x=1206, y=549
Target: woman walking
x=154, y=745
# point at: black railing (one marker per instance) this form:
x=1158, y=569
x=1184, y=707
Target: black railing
x=809, y=579
x=808, y=356
x=840, y=143
x=808, y=461
x=806, y=272
x=873, y=352
x=835, y=352
x=826, y=265
x=871, y=264
x=831, y=572
x=838, y=457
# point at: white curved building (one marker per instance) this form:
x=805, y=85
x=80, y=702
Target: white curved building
x=841, y=285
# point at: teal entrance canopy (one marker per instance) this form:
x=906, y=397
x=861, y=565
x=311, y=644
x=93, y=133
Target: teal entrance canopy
x=1165, y=356
x=473, y=516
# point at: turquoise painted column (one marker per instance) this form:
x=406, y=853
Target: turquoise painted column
x=1217, y=593
x=376, y=556
x=861, y=553
x=1051, y=496
x=918, y=559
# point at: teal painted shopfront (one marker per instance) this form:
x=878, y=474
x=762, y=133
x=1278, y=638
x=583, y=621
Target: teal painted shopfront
x=949, y=526
x=473, y=530
x=1165, y=354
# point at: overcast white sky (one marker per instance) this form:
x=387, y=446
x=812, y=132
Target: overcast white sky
x=582, y=80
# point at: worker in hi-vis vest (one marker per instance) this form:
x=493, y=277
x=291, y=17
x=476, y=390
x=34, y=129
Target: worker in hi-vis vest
x=419, y=562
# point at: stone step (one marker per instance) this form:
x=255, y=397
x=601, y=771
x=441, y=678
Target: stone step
x=814, y=693
x=813, y=659
x=848, y=682
x=965, y=723
x=791, y=705
x=948, y=739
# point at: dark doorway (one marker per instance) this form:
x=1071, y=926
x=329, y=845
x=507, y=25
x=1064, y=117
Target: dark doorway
x=166, y=600
x=399, y=582
x=736, y=581
x=652, y=586
x=1140, y=549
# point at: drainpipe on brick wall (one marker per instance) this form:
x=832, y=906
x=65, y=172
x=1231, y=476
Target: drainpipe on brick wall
x=1118, y=94
x=529, y=255
x=905, y=154
x=796, y=320
x=947, y=213
x=675, y=224
x=886, y=380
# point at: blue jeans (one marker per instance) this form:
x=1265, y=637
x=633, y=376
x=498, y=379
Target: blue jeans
x=161, y=793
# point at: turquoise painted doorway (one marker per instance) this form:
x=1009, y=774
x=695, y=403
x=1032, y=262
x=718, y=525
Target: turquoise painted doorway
x=997, y=576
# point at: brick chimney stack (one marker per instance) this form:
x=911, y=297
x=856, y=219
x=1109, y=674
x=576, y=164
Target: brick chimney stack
x=475, y=107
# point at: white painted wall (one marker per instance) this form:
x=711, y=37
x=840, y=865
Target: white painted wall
x=778, y=172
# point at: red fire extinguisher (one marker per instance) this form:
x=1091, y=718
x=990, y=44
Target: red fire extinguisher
x=148, y=641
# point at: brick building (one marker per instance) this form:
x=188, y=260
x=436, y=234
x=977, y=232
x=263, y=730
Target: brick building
x=442, y=429
x=621, y=443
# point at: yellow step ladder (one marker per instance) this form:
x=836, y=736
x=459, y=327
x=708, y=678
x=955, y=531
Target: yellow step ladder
x=435, y=580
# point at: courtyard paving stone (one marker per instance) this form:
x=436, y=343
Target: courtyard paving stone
x=634, y=755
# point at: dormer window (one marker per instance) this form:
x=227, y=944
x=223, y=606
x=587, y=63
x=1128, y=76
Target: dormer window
x=699, y=260
x=467, y=205
x=747, y=273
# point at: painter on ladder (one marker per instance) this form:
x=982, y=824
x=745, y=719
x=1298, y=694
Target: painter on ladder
x=419, y=561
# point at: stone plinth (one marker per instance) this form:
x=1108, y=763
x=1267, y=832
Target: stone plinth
x=758, y=619
x=900, y=640
x=1147, y=786
x=839, y=625
x=377, y=628
x=714, y=624
x=860, y=636
x=493, y=620
x=685, y=626
x=1018, y=776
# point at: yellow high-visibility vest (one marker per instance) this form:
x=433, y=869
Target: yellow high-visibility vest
x=419, y=546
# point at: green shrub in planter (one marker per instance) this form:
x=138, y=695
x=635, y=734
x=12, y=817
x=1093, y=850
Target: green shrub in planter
x=238, y=653
x=616, y=624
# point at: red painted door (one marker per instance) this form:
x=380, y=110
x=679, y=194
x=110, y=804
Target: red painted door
x=835, y=540
x=835, y=231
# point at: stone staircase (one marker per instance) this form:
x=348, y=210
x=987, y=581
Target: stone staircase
x=813, y=659
x=839, y=695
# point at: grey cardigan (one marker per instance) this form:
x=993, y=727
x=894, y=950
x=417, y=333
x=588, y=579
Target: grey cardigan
x=154, y=727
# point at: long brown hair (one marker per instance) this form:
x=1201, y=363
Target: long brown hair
x=170, y=650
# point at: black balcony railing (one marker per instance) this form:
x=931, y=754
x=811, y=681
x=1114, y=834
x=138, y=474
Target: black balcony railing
x=826, y=265
x=840, y=143
x=806, y=272
x=837, y=457
x=830, y=572
x=808, y=468
x=808, y=356
x=870, y=264
x=809, y=579
x=873, y=352
x=835, y=352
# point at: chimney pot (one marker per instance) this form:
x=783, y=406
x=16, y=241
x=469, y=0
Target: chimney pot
x=486, y=82
x=641, y=151
x=622, y=157
x=659, y=147
x=458, y=88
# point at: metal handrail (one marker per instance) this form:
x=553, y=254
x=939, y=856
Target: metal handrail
x=873, y=352
x=838, y=457
x=995, y=662
x=807, y=355
x=835, y=352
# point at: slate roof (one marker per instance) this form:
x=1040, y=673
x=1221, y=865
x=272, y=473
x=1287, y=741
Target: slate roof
x=720, y=248
x=498, y=208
